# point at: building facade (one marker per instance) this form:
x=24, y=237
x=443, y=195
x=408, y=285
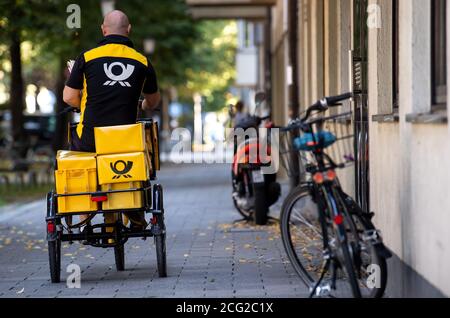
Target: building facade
x=393, y=55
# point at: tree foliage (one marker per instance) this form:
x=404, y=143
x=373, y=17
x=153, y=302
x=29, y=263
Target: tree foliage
x=190, y=55
x=211, y=71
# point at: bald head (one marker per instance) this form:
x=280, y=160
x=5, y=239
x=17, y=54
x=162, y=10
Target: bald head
x=116, y=22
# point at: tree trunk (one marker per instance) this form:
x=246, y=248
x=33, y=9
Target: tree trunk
x=17, y=98
x=60, y=136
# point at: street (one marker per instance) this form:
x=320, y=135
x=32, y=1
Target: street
x=208, y=254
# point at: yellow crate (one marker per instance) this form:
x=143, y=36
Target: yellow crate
x=124, y=200
x=120, y=168
x=119, y=139
x=75, y=160
x=76, y=173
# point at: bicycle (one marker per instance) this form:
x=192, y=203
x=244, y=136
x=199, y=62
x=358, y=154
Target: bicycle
x=330, y=241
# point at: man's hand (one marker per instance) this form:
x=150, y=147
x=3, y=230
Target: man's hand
x=72, y=97
x=151, y=101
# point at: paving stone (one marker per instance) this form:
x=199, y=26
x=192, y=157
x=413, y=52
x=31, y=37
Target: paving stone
x=208, y=255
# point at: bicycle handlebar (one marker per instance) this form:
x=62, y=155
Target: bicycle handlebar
x=321, y=106
x=334, y=100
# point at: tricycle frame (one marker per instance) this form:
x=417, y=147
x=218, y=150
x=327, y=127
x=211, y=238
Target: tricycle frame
x=57, y=233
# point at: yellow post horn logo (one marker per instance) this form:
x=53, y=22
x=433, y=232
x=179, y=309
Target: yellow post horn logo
x=121, y=168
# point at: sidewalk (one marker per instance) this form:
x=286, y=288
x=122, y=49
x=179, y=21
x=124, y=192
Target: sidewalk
x=208, y=255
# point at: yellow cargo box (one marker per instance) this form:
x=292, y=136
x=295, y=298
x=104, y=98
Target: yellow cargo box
x=126, y=167
x=77, y=173
x=71, y=160
x=119, y=139
x=123, y=200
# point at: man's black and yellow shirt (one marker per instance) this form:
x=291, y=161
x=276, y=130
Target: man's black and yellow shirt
x=111, y=77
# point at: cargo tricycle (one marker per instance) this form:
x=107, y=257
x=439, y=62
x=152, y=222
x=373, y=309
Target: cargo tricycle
x=109, y=193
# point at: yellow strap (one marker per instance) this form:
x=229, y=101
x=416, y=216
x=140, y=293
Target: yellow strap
x=115, y=50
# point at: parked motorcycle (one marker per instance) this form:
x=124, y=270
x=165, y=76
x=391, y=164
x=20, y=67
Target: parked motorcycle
x=253, y=191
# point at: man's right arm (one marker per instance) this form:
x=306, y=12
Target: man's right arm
x=151, y=101
x=150, y=90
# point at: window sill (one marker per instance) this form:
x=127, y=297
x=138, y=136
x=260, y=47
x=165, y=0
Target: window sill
x=386, y=118
x=433, y=117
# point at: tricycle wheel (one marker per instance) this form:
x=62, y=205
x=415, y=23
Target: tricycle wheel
x=54, y=253
x=119, y=253
x=160, y=242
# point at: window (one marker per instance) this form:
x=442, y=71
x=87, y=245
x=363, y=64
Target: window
x=395, y=55
x=439, y=53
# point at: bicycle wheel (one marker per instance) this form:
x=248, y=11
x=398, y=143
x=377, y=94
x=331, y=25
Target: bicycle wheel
x=302, y=237
x=54, y=253
x=298, y=237
x=160, y=243
x=369, y=264
x=119, y=255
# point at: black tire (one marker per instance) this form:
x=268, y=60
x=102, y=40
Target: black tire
x=378, y=260
x=54, y=253
x=160, y=243
x=246, y=214
x=119, y=254
x=288, y=203
x=261, y=204
x=303, y=267
x=350, y=269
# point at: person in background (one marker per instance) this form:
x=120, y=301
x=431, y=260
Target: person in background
x=239, y=114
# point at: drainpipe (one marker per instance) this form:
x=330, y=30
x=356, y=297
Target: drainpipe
x=268, y=57
x=294, y=105
x=293, y=57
